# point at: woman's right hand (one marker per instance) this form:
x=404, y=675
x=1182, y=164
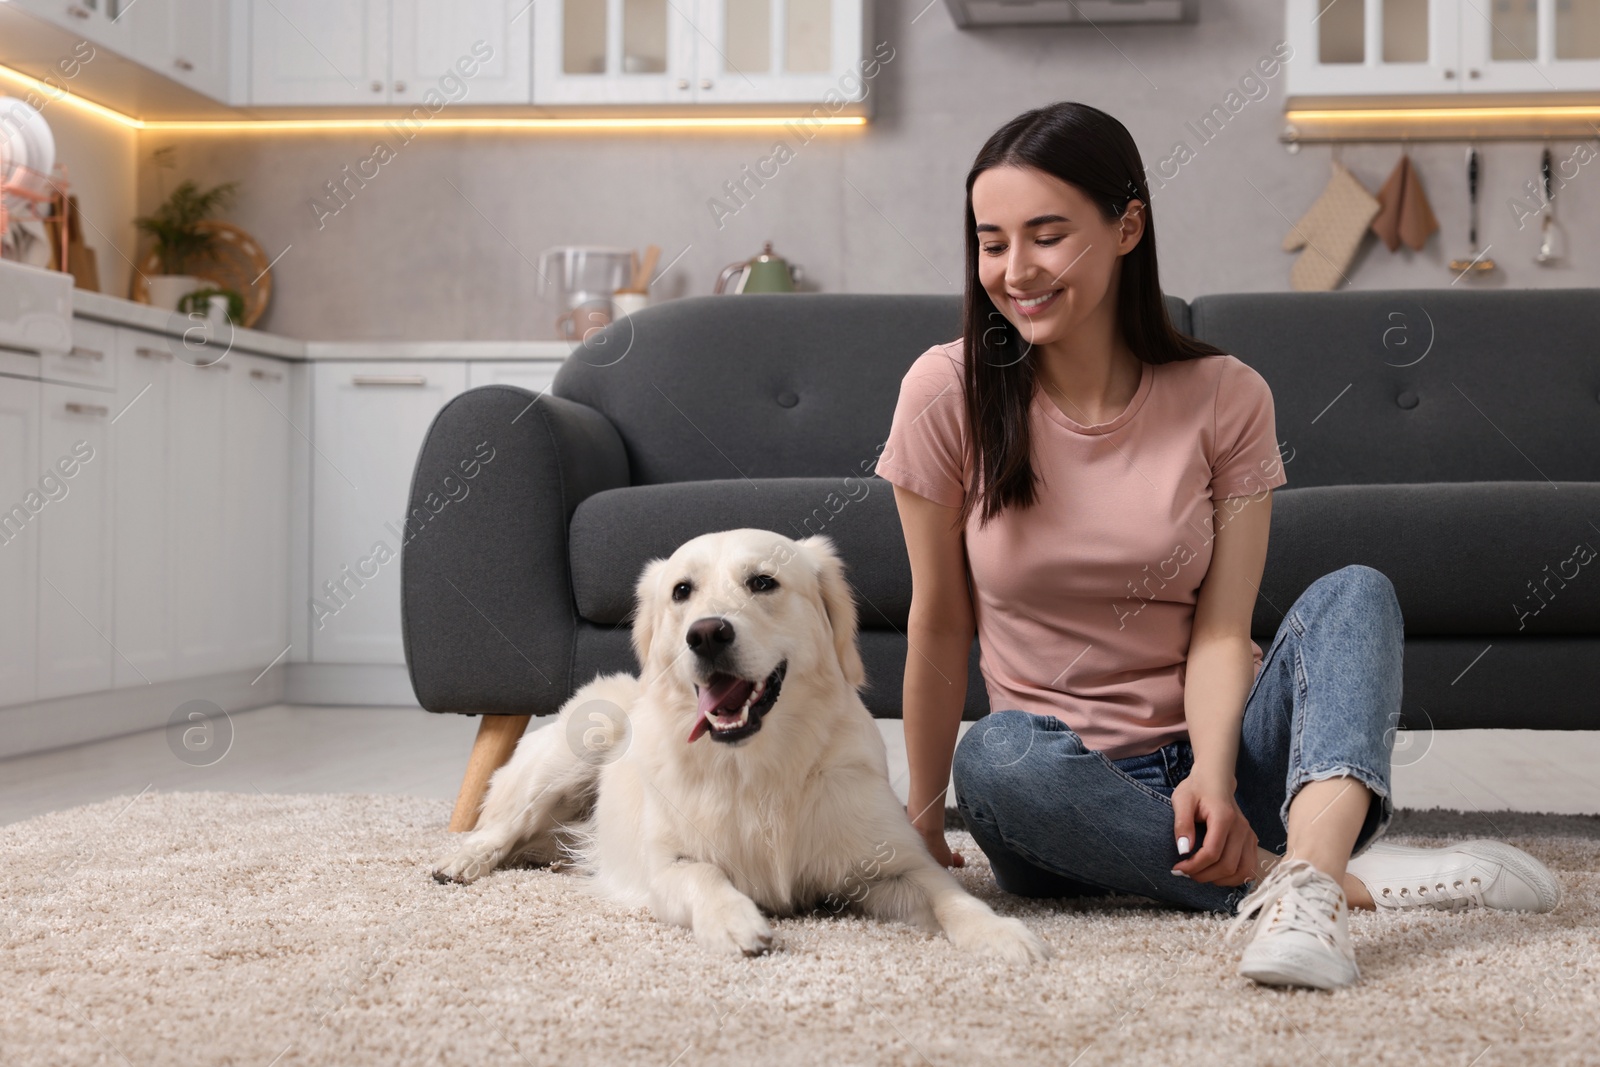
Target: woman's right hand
x=939, y=848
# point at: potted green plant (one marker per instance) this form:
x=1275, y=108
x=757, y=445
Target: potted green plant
x=180, y=244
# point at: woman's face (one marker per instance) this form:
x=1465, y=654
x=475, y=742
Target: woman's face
x=1046, y=256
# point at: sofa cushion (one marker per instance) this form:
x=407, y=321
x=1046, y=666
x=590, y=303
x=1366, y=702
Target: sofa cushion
x=615, y=532
x=1465, y=557
x=762, y=385
x=1427, y=385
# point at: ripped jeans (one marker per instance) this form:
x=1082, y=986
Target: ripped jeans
x=1057, y=819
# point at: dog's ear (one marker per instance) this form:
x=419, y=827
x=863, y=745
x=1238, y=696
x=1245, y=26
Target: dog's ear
x=646, y=609
x=839, y=604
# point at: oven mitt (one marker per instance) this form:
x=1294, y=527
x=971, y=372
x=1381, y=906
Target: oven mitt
x=1330, y=232
x=1405, y=215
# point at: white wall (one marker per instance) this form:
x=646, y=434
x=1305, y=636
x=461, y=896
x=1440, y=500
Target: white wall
x=442, y=242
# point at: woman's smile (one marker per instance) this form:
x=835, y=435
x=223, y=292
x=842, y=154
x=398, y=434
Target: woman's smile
x=1035, y=305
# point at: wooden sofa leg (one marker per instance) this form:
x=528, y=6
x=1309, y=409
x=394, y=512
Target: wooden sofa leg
x=497, y=740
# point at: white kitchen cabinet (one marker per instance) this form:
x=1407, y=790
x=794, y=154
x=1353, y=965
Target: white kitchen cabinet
x=202, y=421
x=697, y=51
x=467, y=51
x=103, y=22
x=534, y=375
x=144, y=491
x=390, y=52
x=187, y=41
x=91, y=361
x=313, y=52
x=1377, y=47
x=200, y=460
x=19, y=538
x=369, y=420
x=256, y=511
x=776, y=51
x=75, y=542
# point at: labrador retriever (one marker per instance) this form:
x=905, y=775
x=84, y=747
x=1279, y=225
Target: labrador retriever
x=739, y=776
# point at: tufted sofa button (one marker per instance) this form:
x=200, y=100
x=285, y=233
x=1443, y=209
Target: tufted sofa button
x=788, y=399
x=1407, y=400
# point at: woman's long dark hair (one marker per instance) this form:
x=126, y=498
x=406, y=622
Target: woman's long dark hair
x=1085, y=147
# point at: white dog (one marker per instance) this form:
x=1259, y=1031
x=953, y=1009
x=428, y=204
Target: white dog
x=741, y=775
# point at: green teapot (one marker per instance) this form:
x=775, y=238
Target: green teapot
x=767, y=273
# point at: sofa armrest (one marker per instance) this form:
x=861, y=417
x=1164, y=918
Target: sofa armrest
x=486, y=606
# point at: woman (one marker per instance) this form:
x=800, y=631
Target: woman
x=1108, y=554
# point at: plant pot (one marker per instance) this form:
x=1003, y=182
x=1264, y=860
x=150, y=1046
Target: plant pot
x=167, y=289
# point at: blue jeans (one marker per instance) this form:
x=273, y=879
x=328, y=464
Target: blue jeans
x=1057, y=819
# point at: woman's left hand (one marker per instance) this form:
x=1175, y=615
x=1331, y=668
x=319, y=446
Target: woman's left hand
x=1228, y=854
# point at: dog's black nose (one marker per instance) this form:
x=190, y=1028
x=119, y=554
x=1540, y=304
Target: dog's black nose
x=709, y=636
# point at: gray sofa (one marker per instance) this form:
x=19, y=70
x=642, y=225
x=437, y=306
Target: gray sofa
x=1449, y=438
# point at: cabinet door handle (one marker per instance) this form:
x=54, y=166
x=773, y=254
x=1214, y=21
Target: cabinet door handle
x=77, y=12
x=75, y=408
x=265, y=375
x=151, y=353
x=1472, y=73
x=183, y=64
x=377, y=87
x=87, y=353
x=683, y=83
x=388, y=379
x=1449, y=73
x=399, y=87
x=705, y=83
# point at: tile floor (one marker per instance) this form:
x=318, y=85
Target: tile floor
x=286, y=748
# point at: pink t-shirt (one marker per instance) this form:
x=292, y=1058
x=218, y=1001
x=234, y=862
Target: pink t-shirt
x=1084, y=602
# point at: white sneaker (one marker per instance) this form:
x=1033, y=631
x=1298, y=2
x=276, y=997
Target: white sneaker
x=1302, y=935
x=1481, y=873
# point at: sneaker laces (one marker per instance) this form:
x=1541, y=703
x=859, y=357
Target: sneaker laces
x=1307, y=899
x=1456, y=893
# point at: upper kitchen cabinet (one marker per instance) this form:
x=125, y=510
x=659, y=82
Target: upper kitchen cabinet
x=1377, y=47
x=313, y=52
x=389, y=52
x=696, y=51
x=469, y=51
x=185, y=40
x=778, y=51
x=100, y=22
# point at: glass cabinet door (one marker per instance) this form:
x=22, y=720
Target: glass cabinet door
x=779, y=50
x=1531, y=45
x=613, y=51
x=1354, y=47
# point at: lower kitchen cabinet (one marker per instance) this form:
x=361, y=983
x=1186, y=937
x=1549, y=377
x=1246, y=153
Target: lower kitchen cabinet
x=75, y=542
x=201, y=466
x=19, y=538
x=369, y=422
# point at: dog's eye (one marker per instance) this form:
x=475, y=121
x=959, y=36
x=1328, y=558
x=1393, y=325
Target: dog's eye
x=762, y=583
x=680, y=591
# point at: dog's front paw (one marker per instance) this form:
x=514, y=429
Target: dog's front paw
x=469, y=863
x=998, y=937
x=740, y=928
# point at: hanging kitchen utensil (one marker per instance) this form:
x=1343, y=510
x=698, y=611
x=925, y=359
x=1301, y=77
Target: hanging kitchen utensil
x=1477, y=262
x=1553, y=240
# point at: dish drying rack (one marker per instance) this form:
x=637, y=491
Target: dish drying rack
x=49, y=207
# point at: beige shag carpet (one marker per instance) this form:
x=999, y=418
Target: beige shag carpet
x=242, y=929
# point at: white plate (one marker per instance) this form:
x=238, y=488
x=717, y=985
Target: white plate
x=32, y=144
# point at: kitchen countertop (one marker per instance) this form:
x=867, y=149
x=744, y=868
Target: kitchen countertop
x=102, y=307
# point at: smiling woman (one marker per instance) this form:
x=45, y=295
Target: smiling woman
x=1073, y=448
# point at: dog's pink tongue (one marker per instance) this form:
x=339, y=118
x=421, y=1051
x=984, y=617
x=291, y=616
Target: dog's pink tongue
x=712, y=695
